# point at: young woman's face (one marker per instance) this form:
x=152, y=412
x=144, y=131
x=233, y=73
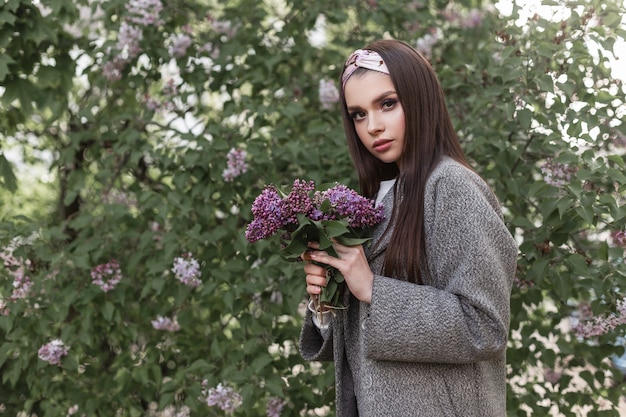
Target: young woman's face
x=378, y=117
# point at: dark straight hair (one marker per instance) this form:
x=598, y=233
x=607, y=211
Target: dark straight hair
x=429, y=135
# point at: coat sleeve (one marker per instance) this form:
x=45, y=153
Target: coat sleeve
x=314, y=346
x=461, y=314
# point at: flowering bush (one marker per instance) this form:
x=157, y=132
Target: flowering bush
x=308, y=215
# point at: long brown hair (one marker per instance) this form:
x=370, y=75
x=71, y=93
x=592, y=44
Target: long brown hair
x=429, y=135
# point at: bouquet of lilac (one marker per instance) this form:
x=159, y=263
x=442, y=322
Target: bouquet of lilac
x=306, y=214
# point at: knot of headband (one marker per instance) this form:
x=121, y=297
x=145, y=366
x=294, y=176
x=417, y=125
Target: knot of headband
x=362, y=58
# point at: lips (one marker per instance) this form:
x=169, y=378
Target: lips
x=382, y=145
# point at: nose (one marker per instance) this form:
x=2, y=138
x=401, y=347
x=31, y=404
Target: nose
x=374, y=124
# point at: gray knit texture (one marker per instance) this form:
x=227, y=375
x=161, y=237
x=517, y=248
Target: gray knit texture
x=436, y=349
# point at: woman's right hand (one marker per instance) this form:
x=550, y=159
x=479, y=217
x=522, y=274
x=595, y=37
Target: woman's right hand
x=315, y=276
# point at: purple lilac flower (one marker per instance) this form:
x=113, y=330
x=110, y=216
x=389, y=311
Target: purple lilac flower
x=226, y=398
x=426, y=43
x=166, y=323
x=619, y=238
x=557, y=174
x=298, y=201
x=267, y=209
x=328, y=93
x=599, y=325
x=21, y=284
x=4, y=308
x=53, y=351
x=358, y=210
x=107, y=275
x=235, y=164
x=187, y=270
x=178, y=45
x=274, y=407
x=128, y=40
x=145, y=12
x=112, y=70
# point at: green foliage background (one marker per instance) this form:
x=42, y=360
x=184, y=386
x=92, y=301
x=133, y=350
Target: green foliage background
x=144, y=185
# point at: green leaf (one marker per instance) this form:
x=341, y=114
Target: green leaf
x=6, y=173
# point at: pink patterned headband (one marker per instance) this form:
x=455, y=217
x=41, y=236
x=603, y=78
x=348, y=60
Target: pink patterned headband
x=362, y=58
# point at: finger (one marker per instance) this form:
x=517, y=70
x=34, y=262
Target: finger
x=325, y=258
x=312, y=269
x=317, y=280
x=313, y=289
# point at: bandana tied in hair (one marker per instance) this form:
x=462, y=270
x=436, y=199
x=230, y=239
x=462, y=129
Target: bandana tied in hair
x=362, y=58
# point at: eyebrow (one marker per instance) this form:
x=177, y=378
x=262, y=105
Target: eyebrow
x=376, y=100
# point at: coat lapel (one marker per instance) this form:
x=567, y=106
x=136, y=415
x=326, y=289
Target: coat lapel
x=380, y=239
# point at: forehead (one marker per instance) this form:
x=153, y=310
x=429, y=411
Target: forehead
x=362, y=89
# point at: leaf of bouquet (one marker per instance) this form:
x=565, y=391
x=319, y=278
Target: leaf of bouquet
x=335, y=228
x=338, y=277
x=305, y=233
x=326, y=207
x=352, y=241
x=329, y=291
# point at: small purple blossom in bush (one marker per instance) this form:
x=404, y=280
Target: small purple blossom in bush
x=21, y=285
x=274, y=407
x=178, y=45
x=235, y=164
x=166, y=323
x=619, y=238
x=187, y=270
x=145, y=12
x=557, y=174
x=53, y=351
x=328, y=94
x=599, y=325
x=107, y=275
x=225, y=398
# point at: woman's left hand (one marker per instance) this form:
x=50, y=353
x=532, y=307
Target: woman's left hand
x=353, y=265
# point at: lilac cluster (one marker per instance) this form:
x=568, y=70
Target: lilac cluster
x=107, y=275
x=272, y=212
x=426, y=43
x=225, y=398
x=356, y=209
x=187, y=270
x=597, y=326
x=53, y=351
x=141, y=13
x=464, y=20
x=145, y=12
x=178, y=45
x=328, y=94
x=267, y=210
x=619, y=238
x=557, y=174
x=22, y=283
x=298, y=201
x=274, y=407
x=235, y=164
x=166, y=323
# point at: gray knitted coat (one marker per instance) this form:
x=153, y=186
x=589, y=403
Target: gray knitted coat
x=436, y=349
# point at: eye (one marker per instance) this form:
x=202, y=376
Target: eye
x=389, y=104
x=357, y=115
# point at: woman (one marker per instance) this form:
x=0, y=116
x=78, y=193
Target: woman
x=427, y=319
